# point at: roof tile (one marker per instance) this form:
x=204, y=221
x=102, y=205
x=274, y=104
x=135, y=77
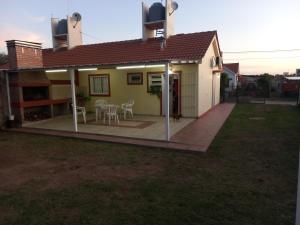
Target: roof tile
x=182, y=46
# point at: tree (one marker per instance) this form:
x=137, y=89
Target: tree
x=3, y=58
x=264, y=84
x=224, y=84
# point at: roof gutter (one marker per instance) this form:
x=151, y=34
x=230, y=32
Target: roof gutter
x=110, y=66
x=102, y=66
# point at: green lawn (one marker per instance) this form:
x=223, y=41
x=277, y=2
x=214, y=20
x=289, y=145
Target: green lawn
x=248, y=177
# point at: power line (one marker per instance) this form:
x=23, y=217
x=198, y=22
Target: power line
x=268, y=58
x=263, y=51
x=91, y=36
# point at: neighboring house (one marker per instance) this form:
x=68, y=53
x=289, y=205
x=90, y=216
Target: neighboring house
x=291, y=86
x=249, y=81
x=277, y=84
x=233, y=71
x=41, y=79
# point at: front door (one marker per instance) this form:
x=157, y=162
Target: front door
x=175, y=95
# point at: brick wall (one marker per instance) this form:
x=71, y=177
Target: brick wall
x=24, y=55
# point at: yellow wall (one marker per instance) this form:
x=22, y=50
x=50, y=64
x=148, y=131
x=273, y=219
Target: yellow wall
x=205, y=82
x=121, y=92
x=144, y=102
x=59, y=91
x=189, y=98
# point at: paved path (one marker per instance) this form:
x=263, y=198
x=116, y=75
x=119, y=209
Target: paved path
x=202, y=132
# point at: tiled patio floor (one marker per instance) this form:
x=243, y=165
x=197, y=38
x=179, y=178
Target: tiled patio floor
x=146, y=127
x=187, y=134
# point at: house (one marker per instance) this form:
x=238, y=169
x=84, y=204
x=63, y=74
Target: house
x=291, y=86
x=43, y=83
x=233, y=71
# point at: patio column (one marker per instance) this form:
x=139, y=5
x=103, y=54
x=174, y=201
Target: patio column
x=10, y=116
x=73, y=94
x=166, y=102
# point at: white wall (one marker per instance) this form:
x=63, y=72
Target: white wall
x=232, y=80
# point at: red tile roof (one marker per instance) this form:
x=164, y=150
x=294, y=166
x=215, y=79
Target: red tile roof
x=178, y=47
x=234, y=67
x=181, y=47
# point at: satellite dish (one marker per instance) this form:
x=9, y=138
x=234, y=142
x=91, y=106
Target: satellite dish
x=76, y=16
x=174, y=7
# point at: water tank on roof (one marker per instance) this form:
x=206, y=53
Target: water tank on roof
x=62, y=27
x=157, y=12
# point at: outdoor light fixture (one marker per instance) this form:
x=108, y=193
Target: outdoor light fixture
x=87, y=69
x=55, y=71
x=130, y=67
x=155, y=66
x=139, y=66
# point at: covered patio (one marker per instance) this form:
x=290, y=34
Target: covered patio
x=187, y=134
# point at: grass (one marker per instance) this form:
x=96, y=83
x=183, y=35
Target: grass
x=248, y=177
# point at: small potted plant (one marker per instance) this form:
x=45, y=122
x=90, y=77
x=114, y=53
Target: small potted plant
x=155, y=90
x=82, y=99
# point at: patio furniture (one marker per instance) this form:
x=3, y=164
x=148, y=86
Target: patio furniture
x=127, y=108
x=111, y=112
x=100, y=108
x=81, y=111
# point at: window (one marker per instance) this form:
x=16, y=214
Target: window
x=154, y=81
x=99, y=85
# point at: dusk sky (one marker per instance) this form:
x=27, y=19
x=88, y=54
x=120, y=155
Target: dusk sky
x=241, y=25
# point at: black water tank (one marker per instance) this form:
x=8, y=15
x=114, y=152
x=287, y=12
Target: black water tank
x=62, y=27
x=157, y=12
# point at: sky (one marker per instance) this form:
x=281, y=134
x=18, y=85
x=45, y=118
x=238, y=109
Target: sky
x=255, y=25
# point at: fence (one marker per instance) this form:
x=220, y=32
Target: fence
x=258, y=96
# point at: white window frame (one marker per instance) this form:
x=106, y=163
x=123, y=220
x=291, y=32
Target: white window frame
x=102, y=90
x=154, y=79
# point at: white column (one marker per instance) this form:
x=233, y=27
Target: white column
x=73, y=94
x=166, y=101
x=10, y=116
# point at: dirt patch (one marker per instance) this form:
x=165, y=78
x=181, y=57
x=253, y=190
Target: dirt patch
x=6, y=213
x=46, y=174
x=9, y=159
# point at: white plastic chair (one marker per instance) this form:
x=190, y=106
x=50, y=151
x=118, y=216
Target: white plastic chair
x=100, y=108
x=112, y=113
x=81, y=111
x=128, y=108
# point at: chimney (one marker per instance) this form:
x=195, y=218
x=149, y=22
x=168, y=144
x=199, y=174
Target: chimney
x=24, y=54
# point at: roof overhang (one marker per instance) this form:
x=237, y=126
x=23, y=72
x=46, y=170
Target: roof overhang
x=108, y=66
